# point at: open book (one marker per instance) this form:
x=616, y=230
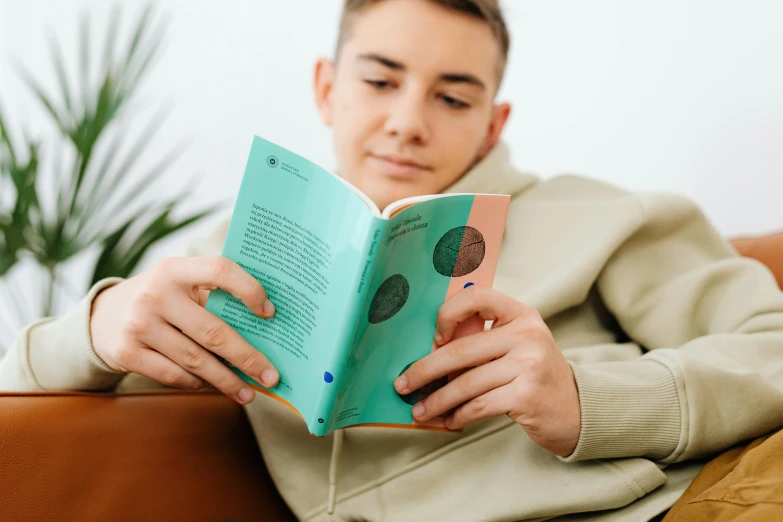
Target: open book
x=356, y=289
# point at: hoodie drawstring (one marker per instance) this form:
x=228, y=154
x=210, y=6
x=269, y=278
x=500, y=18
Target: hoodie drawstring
x=337, y=447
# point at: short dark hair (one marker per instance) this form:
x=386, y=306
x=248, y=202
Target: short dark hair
x=488, y=11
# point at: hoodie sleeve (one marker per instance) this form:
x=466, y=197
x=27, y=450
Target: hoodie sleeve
x=57, y=353
x=712, y=323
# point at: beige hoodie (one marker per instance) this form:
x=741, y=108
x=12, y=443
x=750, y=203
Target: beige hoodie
x=676, y=344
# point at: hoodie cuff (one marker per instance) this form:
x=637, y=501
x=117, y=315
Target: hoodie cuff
x=60, y=351
x=629, y=409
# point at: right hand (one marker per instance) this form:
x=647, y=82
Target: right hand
x=155, y=324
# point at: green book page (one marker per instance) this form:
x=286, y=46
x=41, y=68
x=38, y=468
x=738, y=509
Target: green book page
x=305, y=236
x=397, y=322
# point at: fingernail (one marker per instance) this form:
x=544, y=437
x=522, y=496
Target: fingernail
x=269, y=378
x=401, y=384
x=246, y=395
x=438, y=337
x=269, y=308
x=418, y=410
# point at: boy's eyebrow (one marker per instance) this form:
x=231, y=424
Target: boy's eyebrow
x=446, y=77
x=387, y=62
x=463, y=78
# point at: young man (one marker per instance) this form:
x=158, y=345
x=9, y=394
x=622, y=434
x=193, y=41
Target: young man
x=629, y=338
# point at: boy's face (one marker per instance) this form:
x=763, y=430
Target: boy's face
x=411, y=98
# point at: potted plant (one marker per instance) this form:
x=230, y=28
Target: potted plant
x=83, y=193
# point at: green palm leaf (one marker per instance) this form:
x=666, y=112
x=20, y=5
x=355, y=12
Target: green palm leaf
x=116, y=260
x=100, y=196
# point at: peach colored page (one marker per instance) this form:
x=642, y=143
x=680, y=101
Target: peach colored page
x=488, y=216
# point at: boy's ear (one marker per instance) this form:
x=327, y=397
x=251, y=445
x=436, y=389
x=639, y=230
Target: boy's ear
x=497, y=122
x=323, y=81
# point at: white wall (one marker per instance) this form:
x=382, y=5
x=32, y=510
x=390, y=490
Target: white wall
x=675, y=95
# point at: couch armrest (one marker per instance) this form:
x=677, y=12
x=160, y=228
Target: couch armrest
x=163, y=455
x=768, y=249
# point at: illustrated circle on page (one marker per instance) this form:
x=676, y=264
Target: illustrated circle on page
x=459, y=252
x=389, y=299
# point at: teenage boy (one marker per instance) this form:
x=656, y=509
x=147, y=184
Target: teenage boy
x=628, y=338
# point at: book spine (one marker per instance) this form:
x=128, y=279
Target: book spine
x=350, y=323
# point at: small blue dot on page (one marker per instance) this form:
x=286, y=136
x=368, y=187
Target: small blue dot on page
x=328, y=377
x=468, y=284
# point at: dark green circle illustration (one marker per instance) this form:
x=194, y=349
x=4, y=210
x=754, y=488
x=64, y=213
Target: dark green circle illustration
x=272, y=161
x=459, y=252
x=389, y=299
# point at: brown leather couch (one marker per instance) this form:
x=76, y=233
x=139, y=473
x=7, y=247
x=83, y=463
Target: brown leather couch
x=161, y=455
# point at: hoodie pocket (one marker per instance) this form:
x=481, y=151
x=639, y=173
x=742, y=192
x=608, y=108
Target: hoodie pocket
x=502, y=475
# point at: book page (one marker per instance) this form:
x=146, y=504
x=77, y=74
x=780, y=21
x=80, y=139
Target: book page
x=304, y=235
x=430, y=251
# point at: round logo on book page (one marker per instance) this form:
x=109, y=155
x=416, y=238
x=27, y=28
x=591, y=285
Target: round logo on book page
x=272, y=161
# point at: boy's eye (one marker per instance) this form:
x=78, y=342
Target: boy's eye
x=454, y=103
x=378, y=84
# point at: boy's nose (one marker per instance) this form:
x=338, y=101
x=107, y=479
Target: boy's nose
x=407, y=118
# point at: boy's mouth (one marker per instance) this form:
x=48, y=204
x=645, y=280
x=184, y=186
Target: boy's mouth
x=398, y=166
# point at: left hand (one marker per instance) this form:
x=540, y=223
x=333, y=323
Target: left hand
x=514, y=369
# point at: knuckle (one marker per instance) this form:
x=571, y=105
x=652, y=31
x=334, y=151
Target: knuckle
x=192, y=359
x=481, y=293
x=474, y=297
x=198, y=384
x=518, y=328
x=218, y=268
x=214, y=336
x=536, y=315
x=137, y=325
x=530, y=363
x=192, y=384
x=529, y=311
x=249, y=361
x=227, y=383
x=125, y=355
x=171, y=377
x=469, y=382
x=542, y=337
x=252, y=292
x=538, y=357
x=443, y=310
x=443, y=320
x=530, y=333
x=460, y=349
x=479, y=406
x=523, y=394
x=149, y=296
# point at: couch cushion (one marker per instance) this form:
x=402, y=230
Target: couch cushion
x=743, y=483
